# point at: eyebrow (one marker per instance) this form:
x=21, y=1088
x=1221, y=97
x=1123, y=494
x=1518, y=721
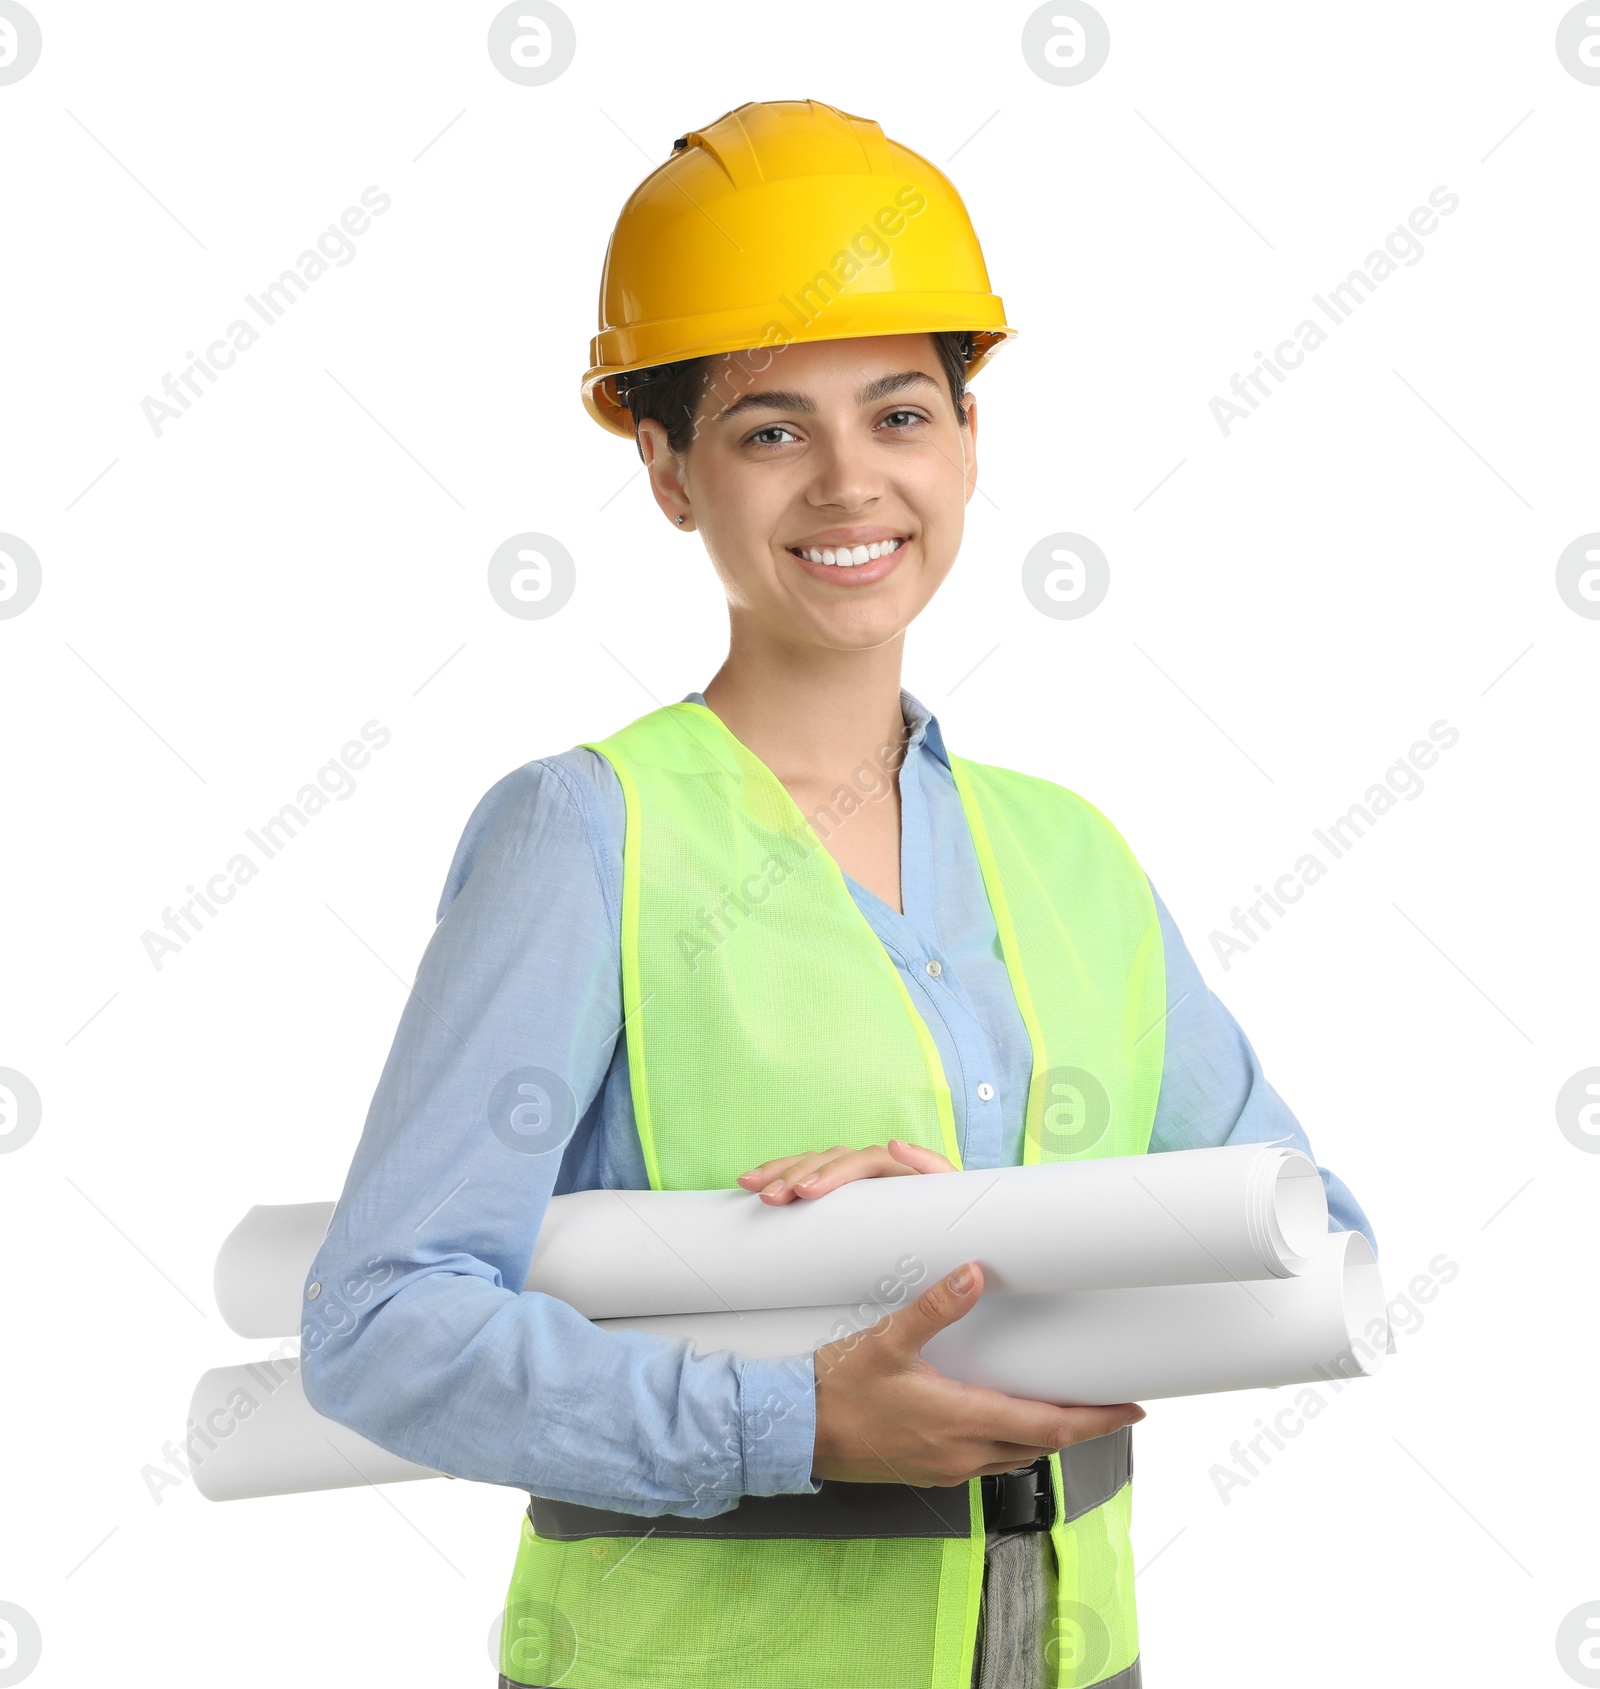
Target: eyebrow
x=789, y=401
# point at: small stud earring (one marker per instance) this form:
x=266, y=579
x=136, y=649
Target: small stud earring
x=680, y=521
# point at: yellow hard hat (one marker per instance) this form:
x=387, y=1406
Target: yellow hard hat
x=785, y=220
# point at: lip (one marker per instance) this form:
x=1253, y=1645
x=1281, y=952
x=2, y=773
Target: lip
x=836, y=537
x=857, y=574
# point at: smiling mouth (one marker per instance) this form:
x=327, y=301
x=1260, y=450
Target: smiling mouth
x=846, y=557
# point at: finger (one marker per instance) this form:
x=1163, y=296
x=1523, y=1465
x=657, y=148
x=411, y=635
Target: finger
x=991, y=1417
x=777, y=1177
x=803, y=1169
x=1008, y=1457
x=1041, y=1424
x=907, y=1329
x=924, y=1160
x=771, y=1177
x=767, y=1167
x=779, y=1162
x=767, y=1170
x=780, y=1189
x=1022, y=1454
x=873, y=1162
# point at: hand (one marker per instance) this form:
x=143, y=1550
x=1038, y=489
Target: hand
x=886, y=1415
x=816, y=1174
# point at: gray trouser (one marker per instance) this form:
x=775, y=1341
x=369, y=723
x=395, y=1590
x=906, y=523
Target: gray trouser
x=1015, y=1612
x=1019, y=1595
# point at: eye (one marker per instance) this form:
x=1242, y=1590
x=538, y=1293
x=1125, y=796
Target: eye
x=771, y=428
x=915, y=416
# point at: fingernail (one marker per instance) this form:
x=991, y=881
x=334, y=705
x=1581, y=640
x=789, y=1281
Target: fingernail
x=810, y=1179
x=960, y=1281
x=776, y=1185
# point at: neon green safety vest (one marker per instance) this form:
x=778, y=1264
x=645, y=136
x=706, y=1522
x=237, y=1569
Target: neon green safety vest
x=765, y=1018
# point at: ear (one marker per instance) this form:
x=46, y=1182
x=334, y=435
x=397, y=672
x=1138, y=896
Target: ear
x=969, y=445
x=666, y=470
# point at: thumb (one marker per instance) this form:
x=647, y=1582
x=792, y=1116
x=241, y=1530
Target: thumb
x=941, y=1304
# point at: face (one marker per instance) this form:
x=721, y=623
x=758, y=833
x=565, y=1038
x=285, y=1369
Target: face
x=834, y=449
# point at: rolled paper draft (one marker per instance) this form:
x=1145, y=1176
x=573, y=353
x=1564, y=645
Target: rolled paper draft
x=260, y=1275
x=1094, y=1348
x=1243, y=1211
x=1080, y=1348
x=258, y=1435
x=1247, y=1211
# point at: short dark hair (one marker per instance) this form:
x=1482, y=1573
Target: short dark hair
x=670, y=393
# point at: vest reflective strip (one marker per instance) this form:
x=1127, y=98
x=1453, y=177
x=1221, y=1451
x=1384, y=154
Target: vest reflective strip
x=836, y=1511
x=1091, y=1474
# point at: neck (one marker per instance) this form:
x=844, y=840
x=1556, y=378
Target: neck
x=812, y=715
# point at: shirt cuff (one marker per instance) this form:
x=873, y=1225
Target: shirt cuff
x=778, y=1419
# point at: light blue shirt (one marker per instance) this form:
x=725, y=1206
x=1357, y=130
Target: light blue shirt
x=422, y=1337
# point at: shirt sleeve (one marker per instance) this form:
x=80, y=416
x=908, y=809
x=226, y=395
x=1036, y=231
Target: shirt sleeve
x=421, y=1336
x=1212, y=1088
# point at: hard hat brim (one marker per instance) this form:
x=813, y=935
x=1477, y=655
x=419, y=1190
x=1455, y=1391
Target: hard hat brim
x=618, y=351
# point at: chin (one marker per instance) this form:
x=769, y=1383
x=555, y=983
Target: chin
x=860, y=633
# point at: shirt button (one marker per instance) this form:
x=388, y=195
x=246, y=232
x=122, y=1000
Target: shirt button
x=985, y=1092
x=934, y=970
x=313, y=1292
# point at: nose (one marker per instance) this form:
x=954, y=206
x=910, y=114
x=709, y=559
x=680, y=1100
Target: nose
x=845, y=472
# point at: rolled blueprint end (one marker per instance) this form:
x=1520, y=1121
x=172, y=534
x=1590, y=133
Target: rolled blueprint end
x=1287, y=1210
x=262, y=1265
x=1098, y=1348
x=1368, y=1334
x=258, y=1435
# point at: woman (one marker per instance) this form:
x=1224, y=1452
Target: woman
x=776, y=934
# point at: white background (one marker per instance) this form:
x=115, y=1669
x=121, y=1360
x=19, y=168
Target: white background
x=224, y=606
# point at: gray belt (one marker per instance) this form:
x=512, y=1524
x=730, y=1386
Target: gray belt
x=1092, y=1473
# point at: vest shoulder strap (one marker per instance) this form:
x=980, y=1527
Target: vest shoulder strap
x=1082, y=941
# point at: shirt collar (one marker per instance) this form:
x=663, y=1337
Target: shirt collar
x=924, y=725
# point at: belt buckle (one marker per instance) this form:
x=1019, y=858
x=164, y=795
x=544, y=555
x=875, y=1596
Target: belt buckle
x=1021, y=1500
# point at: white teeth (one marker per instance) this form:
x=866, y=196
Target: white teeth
x=849, y=557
